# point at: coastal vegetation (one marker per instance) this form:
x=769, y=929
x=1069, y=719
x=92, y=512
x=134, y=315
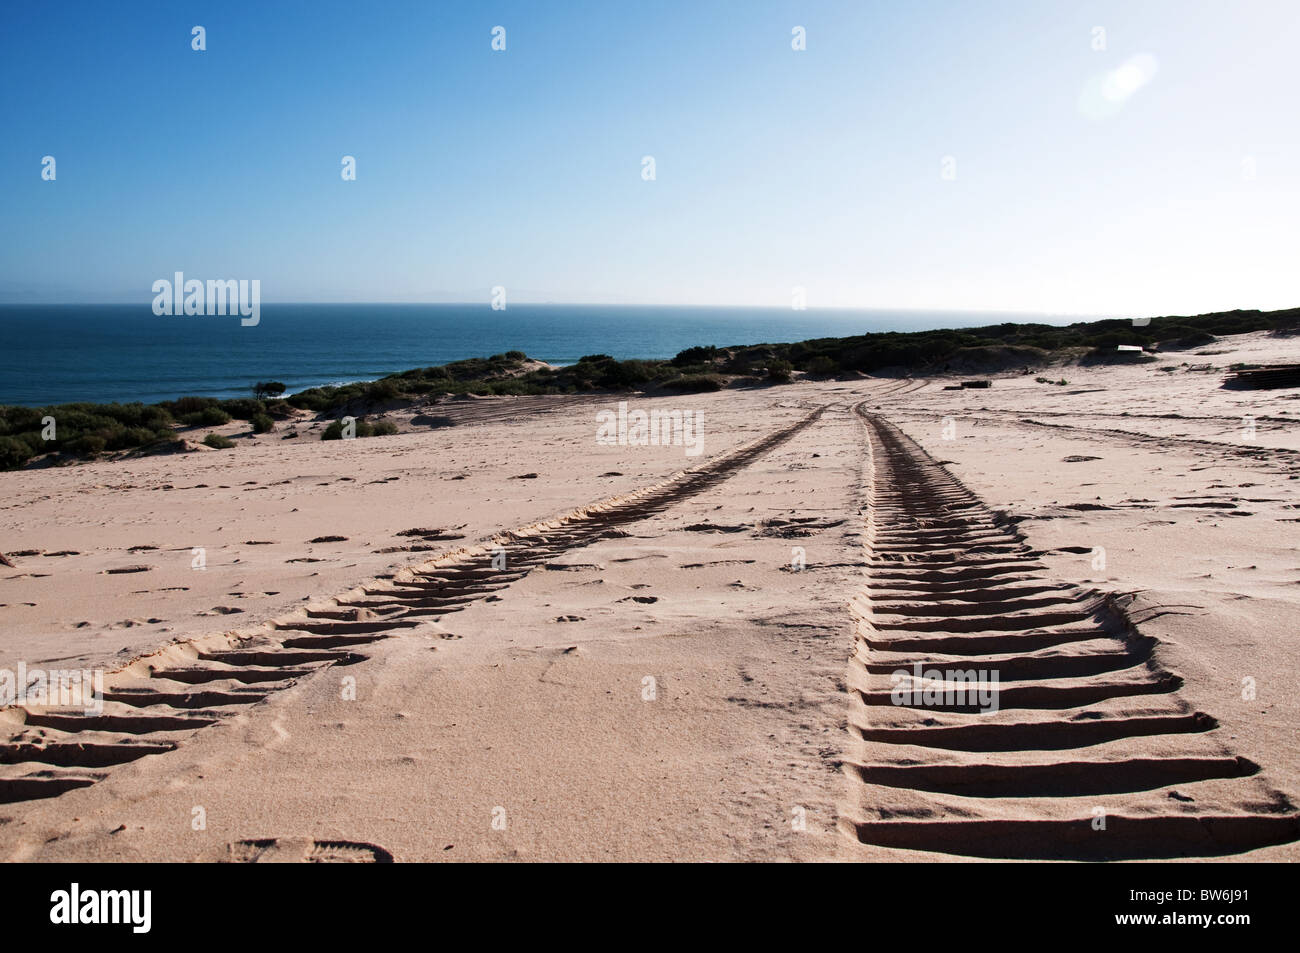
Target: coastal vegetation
x=82, y=430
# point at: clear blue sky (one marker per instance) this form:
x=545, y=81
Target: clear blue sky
x=1161, y=175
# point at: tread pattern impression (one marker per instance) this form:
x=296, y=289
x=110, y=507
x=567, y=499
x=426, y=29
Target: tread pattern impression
x=1091, y=754
x=157, y=702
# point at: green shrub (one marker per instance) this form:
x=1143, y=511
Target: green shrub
x=672, y=370
x=189, y=405
x=85, y=428
x=695, y=355
x=362, y=428
x=619, y=375
x=139, y=436
x=383, y=390
x=212, y=416
x=779, y=370
x=823, y=366
x=243, y=408
x=18, y=419
x=695, y=383
x=89, y=445
x=115, y=436
x=35, y=444
x=262, y=423
x=13, y=453
x=218, y=442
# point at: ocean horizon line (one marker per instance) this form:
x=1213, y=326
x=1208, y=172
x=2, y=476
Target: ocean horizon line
x=479, y=303
x=46, y=350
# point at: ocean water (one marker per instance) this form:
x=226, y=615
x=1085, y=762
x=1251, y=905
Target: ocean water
x=52, y=354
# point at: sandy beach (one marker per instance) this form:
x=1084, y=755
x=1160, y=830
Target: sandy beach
x=505, y=640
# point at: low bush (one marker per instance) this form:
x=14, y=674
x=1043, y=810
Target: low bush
x=86, y=429
x=695, y=383
x=779, y=370
x=360, y=428
x=243, y=408
x=212, y=416
x=823, y=366
x=13, y=453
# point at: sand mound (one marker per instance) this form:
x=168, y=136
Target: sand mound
x=990, y=360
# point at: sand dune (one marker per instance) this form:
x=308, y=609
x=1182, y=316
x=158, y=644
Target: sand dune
x=638, y=655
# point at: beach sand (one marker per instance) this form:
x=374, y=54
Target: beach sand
x=681, y=657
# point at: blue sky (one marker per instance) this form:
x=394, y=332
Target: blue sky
x=1159, y=175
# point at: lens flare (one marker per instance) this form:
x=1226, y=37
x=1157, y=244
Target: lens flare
x=1106, y=93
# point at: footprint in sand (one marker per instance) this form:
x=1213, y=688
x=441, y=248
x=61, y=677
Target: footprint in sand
x=304, y=850
x=220, y=610
x=433, y=534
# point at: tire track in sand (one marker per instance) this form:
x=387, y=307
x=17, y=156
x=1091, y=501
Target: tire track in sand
x=1282, y=459
x=156, y=702
x=1091, y=753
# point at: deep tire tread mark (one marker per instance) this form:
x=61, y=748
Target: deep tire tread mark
x=288, y=649
x=1085, y=709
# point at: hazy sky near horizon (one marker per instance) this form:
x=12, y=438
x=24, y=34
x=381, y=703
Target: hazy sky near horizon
x=918, y=154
